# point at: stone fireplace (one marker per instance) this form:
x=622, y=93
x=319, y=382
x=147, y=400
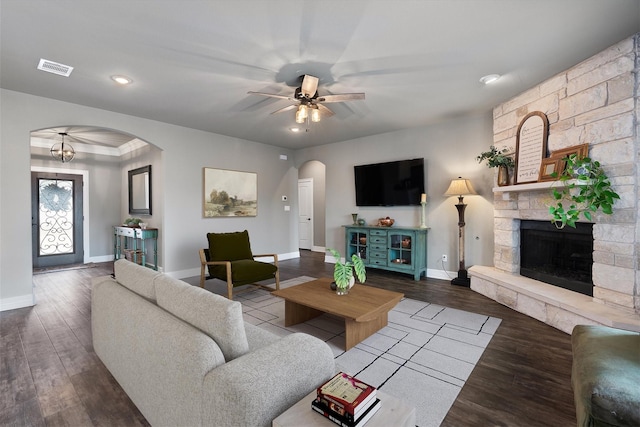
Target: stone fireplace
x=595, y=103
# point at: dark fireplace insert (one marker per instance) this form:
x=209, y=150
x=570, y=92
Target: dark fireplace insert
x=559, y=257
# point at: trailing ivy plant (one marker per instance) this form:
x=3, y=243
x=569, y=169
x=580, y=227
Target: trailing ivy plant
x=586, y=189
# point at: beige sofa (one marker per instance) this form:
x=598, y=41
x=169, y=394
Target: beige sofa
x=186, y=357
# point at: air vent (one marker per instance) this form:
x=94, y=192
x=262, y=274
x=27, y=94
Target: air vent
x=55, y=68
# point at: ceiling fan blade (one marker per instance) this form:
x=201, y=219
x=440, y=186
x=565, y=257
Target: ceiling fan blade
x=309, y=85
x=272, y=95
x=341, y=97
x=324, y=110
x=287, y=108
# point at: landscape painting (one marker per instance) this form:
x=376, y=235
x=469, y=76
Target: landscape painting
x=229, y=193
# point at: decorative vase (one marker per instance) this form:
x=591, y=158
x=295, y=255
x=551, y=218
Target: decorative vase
x=342, y=291
x=355, y=218
x=503, y=176
x=345, y=290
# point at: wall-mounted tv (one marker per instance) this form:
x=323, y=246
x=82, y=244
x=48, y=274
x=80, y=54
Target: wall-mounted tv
x=398, y=183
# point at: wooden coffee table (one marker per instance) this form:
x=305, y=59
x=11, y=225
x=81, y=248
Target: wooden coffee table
x=364, y=310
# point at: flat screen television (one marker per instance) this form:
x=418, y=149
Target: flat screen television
x=398, y=183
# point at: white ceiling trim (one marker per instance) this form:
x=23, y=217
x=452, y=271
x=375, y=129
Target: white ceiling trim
x=92, y=149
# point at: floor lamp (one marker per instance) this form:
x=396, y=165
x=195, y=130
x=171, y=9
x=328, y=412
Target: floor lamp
x=461, y=187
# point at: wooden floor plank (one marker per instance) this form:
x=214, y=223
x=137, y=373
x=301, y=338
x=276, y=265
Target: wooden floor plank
x=522, y=378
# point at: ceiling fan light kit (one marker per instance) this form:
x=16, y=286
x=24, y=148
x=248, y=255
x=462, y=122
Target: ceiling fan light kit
x=307, y=99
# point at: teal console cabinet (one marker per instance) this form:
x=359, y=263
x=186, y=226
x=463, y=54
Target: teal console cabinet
x=398, y=249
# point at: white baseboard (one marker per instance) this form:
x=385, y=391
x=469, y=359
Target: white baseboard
x=441, y=274
x=102, y=258
x=318, y=249
x=17, y=302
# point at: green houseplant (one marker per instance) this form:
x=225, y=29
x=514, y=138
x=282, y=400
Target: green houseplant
x=132, y=222
x=343, y=271
x=586, y=189
x=500, y=159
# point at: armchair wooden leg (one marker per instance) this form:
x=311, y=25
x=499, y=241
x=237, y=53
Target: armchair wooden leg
x=229, y=282
x=202, y=276
x=277, y=280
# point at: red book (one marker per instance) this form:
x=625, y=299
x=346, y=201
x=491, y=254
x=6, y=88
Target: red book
x=346, y=394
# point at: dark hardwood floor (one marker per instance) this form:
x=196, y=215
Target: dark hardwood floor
x=49, y=374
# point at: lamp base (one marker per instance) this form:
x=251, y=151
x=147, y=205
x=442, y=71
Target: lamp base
x=462, y=279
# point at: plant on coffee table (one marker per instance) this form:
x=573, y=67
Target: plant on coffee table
x=343, y=271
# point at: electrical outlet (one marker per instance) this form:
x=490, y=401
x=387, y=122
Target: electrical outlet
x=445, y=258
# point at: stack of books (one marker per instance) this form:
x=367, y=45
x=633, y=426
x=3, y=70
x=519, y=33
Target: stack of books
x=346, y=401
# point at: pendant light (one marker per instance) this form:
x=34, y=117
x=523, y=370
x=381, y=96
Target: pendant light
x=61, y=151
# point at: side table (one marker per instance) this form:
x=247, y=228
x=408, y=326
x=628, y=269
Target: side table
x=135, y=235
x=392, y=412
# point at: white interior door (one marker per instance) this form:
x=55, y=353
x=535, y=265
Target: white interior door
x=305, y=213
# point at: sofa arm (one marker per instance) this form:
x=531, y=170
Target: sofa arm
x=253, y=389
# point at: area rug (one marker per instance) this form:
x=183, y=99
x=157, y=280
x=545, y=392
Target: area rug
x=422, y=357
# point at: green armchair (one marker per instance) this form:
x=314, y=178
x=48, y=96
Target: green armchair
x=229, y=258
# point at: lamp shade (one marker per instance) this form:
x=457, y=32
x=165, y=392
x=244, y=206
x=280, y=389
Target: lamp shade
x=460, y=187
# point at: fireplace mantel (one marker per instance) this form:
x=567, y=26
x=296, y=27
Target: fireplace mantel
x=534, y=186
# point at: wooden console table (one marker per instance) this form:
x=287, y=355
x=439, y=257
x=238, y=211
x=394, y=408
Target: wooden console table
x=123, y=235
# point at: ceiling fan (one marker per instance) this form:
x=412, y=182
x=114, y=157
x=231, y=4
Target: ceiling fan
x=308, y=102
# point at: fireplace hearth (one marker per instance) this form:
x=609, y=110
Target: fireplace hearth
x=561, y=257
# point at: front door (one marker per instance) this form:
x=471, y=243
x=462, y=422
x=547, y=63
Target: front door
x=56, y=219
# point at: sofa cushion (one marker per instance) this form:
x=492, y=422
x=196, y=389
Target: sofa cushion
x=606, y=376
x=229, y=246
x=136, y=278
x=213, y=314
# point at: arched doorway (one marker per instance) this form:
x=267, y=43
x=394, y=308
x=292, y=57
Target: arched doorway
x=312, y=178
x=101, y=162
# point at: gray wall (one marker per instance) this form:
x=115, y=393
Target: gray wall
x=184, y=154
x=449, y=149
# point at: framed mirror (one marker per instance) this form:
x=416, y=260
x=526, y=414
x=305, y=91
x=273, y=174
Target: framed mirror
x=140, y=191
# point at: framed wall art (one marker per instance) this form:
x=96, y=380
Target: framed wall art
x=228, y=193
x=531, y=146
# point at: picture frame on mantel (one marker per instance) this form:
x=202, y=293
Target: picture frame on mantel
x=531, y=147
x=549, y=166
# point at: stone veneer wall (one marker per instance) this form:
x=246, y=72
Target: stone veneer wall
x=594, y=102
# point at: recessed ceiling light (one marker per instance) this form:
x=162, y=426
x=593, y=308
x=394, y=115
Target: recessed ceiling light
x=488, y=79
x=123, y=80
x=294, y=129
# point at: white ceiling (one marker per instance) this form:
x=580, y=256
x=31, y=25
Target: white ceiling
x=193, y=61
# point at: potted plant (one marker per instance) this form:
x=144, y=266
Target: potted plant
x=586, y=187
x=343, y=272
x=132, y=222
x=500, y=159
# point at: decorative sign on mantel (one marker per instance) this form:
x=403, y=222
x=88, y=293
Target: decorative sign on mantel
x=531, y=146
